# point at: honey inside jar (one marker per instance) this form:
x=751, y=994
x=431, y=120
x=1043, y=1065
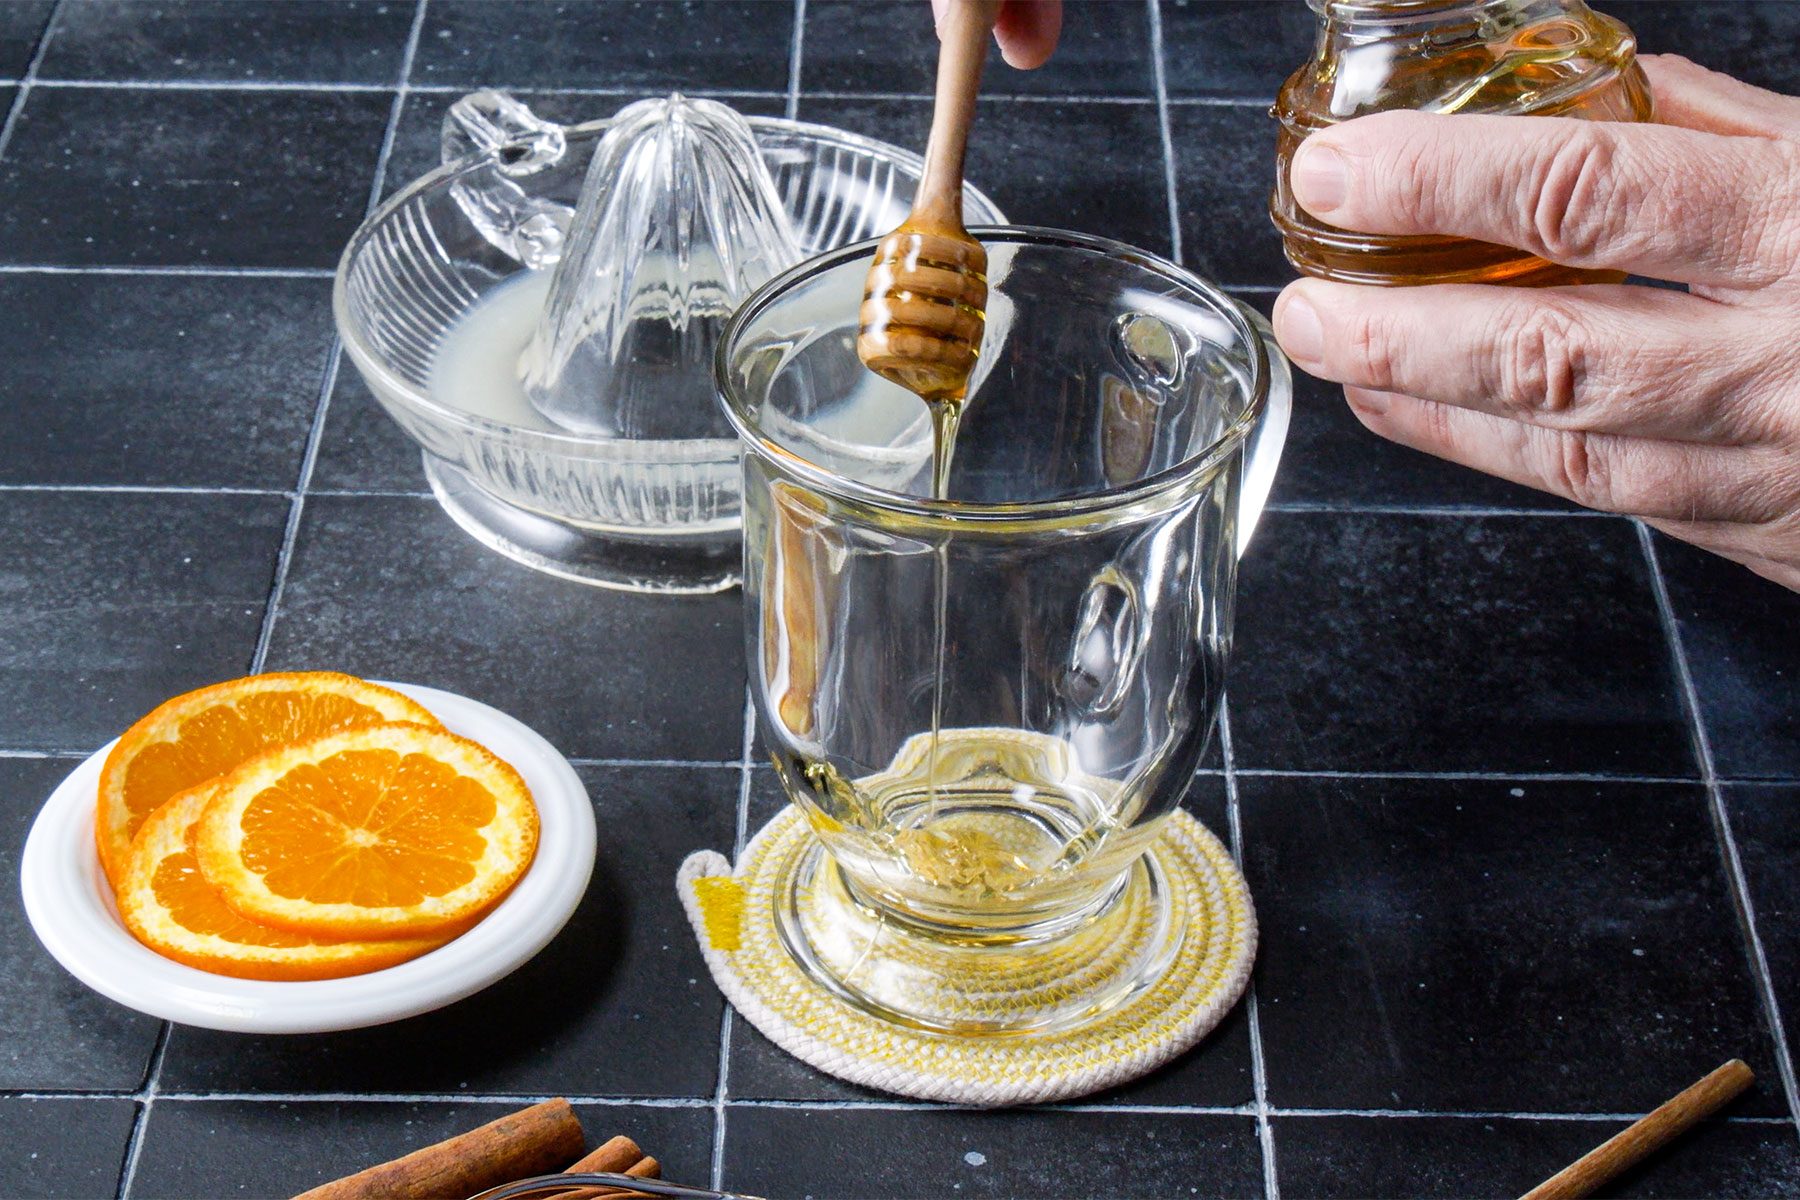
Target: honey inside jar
x=1517, y=57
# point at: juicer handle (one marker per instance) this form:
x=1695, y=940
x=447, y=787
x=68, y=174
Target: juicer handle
x=486, y=121
x=1262, y=451
x=513, y=143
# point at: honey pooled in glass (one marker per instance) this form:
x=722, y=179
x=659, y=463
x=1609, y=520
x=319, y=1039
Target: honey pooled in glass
x=1521, y=57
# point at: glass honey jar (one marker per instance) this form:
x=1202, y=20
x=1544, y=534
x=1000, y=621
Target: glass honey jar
x=1518, y=57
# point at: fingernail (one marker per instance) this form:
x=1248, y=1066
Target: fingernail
x=1373, y=403
x=1298, y=330
x=1320, y=177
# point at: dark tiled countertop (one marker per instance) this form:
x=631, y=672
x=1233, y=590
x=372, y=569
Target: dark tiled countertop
x=1517, y=788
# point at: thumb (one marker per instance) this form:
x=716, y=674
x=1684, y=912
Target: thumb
x=1027, y=31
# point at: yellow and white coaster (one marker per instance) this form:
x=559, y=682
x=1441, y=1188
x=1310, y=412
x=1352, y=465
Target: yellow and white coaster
x=734, y=916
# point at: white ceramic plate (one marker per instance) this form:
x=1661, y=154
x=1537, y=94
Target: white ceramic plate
x=71, y=907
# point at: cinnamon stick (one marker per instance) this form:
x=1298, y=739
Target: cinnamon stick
x=533, y=1141
x=1626, y=1148
x=617, y=1156
x=620, y=1156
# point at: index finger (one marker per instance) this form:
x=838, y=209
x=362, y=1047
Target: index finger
x=1655, y=200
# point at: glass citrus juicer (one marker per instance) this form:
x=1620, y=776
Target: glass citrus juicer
x=987, y=705
x=538, y=315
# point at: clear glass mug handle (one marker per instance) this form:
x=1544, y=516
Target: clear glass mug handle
x=1262, y=450
x=1108, y=645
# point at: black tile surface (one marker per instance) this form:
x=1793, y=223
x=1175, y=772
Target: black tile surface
x=60, y=1148
x=164, y=177
x=248, y=1148
x=22, y=23
x=878, y=1153
x=1330, y=459
x=620, y=1004
x=387, y=587
x=889, y=46
x=225, y=376
x=1087, y=166
x=279, y=41
x=1224, y=167
x=1385, y=642
x=1233, y=49
x=1737, y=630
x=1753, y=40
x=361, y=448
x=1765, y=819
x=650, y=45
x=1452, y=1157
x=110, y=603
x=1577, y=943
x=1480, y=946
x=55, y=1034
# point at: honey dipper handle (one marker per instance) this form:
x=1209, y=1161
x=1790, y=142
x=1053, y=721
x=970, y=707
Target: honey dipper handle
x=1626, y=1148
x=963, y=44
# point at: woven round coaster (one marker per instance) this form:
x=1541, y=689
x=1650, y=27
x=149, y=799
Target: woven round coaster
x=733, y=914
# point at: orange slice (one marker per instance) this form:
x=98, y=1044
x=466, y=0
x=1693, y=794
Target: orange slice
x=388, y=831
x=201, y=735
x=170, y=908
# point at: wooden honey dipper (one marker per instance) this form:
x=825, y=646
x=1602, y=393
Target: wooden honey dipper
x=925, y=302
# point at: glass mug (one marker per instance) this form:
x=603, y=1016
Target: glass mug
x=986, y=704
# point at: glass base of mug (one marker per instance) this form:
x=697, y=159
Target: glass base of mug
x=974, y=984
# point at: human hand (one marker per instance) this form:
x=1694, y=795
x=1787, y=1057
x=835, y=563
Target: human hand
x=1026, y=29
x=1680, y=408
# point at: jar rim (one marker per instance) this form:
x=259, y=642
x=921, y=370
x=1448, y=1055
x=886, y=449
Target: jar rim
x=742, y=415
x=1402, y=10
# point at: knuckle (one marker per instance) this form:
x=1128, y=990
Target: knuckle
x=1571, y=192
x=1543, y=359
x=1441, y=430
x=1370, y=351
x=1408, y=172
x=1580, y=470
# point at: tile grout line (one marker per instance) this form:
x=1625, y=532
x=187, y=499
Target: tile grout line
x=1259, y=1075
x=316, y=433
x=29, y=79
x=284, y=559
x=1721, y=819
x=721, y=1092
x=303, y=86
x=208, y=85
x=1439, y=510
x=1414, y=1114
x=792, y=107
x=1263, y=102
x=146, y=1100
x=143, y=489
x=1472, y=776
x=1398, y=510
x=402, y=88
x=711, y=764
x=291, y=532
x=895, y=1105
x=197, y=269
x=1160, y=75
